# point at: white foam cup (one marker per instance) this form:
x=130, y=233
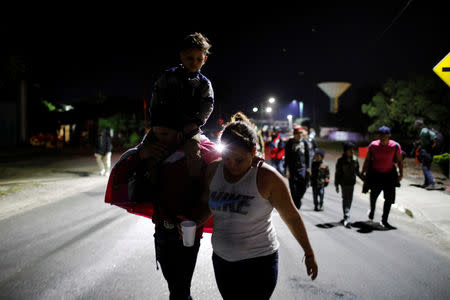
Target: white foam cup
x=188, y=229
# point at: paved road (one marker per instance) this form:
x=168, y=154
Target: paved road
x=77, y=247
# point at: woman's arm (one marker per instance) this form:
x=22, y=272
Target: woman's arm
x=272, y=187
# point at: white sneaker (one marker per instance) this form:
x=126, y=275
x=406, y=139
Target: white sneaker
x=102, y=172
x=107, y=174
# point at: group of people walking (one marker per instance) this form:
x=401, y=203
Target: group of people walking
x=195, y=182
x=304, y=166
x=188, y=179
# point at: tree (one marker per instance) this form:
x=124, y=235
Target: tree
x=401, y=102
x=11, y=68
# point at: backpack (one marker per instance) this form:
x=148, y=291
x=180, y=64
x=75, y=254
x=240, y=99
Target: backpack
x=439, y=148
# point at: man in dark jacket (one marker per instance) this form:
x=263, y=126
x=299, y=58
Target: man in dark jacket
x=103, y=149
x=297, y=165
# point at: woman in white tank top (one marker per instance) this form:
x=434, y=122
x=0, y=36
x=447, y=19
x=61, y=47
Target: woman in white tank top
x=241, y=198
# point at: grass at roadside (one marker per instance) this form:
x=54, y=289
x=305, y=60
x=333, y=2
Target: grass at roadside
x=13, y=188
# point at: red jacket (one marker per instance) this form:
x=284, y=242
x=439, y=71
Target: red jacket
x=173, y=186
x=277, y=151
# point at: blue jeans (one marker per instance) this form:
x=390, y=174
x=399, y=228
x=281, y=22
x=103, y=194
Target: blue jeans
x=177, y=261
x=278, y=164
x=253, y=278
x=318, y=194
x=426, y=159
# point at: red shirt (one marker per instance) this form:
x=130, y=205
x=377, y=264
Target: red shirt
x=383, y=156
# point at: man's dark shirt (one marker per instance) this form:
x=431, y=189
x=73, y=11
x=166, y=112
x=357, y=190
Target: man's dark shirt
x=297, y=155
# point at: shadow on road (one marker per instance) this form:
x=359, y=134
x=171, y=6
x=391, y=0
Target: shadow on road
x=79, y=173
x=441, y=188
x=363, y=226
x=329, y=225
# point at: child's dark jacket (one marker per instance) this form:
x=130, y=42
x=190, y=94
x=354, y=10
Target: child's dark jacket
x=320, y=174
x=346, y=171
x=181, y=98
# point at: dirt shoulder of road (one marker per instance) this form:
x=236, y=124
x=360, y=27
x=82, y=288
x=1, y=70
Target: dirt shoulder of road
x=31, y=177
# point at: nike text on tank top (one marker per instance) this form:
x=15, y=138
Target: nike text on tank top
x=242, y=218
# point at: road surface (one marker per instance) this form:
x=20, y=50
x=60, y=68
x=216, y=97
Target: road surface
x=78, y=247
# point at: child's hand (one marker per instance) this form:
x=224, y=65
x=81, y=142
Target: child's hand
x=189, y=127
x=154, y=150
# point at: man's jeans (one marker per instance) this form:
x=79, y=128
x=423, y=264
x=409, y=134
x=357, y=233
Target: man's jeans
x=278, y=164
x=426, y=159
x=104, y=162
x=298, y=183
x=177, y=261
x=389, y=198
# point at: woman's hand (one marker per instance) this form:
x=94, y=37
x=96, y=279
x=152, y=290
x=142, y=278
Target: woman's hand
x=311, y=266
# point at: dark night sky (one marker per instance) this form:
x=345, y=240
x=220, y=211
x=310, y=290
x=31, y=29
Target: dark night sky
x=281, y=51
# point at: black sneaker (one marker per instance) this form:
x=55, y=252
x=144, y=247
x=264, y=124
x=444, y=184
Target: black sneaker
x=370, y=215
x=387, y=225
x=316, y=208
x=321, y=208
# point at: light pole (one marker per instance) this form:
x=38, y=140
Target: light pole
x=289, y=117
x=300, y=109
x=269, y=111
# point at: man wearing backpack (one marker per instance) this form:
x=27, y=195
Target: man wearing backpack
x=426, y=148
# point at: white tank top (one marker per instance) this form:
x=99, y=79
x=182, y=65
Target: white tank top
x=242, y=218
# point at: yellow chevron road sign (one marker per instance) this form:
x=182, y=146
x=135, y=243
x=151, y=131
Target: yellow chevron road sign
x=442, y=69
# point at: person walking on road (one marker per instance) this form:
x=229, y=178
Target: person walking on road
x=347, y=168
x=242, y=198
x=380, y=173
x=165, y=202
x=427, y=143
x=103, y=150
x=277, y=150
x=297, y=165
x=320, y=178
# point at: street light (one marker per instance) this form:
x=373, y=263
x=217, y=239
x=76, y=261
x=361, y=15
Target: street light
x=268, y=109
x=289, y=117
x=272, y=100
x=255, y=109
